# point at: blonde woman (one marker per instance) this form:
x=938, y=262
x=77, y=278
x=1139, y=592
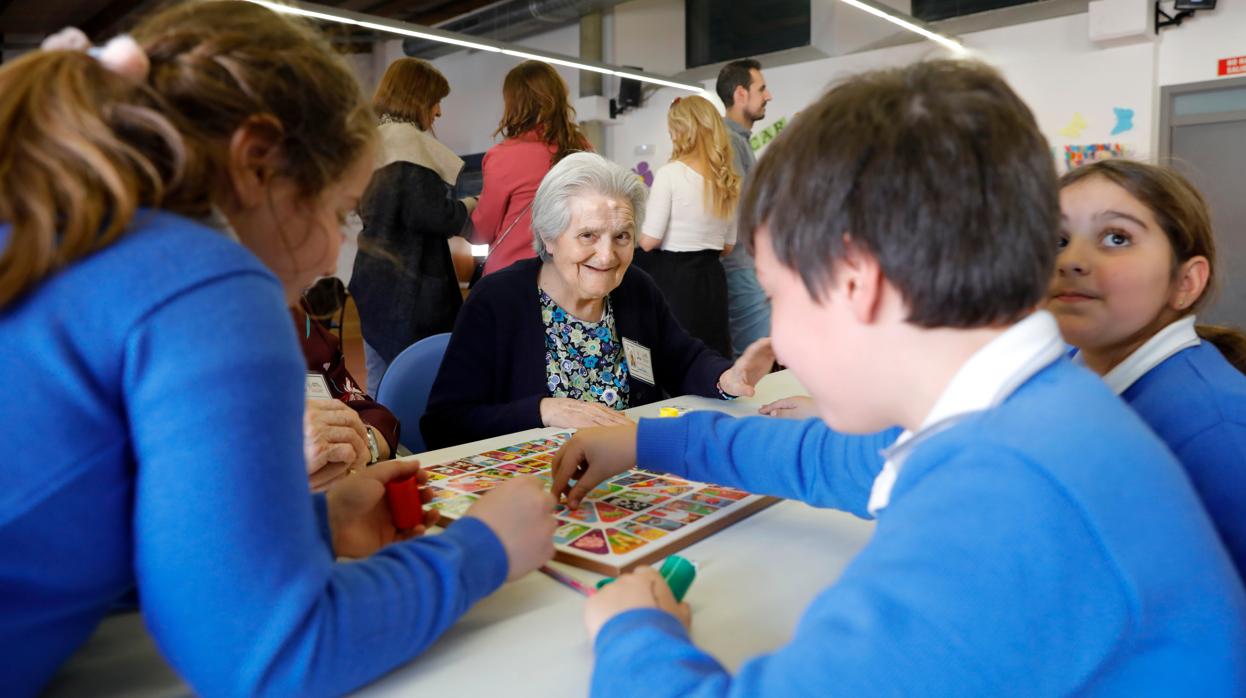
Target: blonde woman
x=691, y=221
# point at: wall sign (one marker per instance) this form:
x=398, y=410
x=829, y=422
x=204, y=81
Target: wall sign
x=1232, y=66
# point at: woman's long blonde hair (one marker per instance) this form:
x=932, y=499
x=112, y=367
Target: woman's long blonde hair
x=698, y=133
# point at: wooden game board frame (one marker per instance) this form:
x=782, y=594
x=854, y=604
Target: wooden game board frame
x=670, y=547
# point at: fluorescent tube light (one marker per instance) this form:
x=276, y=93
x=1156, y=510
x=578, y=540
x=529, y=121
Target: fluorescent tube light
x=890, y=15
x=329, y=14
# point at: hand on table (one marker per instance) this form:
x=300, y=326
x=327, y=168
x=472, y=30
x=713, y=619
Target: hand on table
x=521, y=514
x=642, y=588
x=591, y=456
x=567, y=413
x=794, y=407
x=334, y=441
x=359, y=517
x=752, y=366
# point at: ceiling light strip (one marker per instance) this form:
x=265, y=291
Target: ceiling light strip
x=909, y=23
x=329, y=14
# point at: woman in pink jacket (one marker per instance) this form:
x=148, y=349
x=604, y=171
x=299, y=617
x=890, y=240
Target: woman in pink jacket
x=538, y=123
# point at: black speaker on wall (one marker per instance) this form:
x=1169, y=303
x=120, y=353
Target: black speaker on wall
x=630, y=95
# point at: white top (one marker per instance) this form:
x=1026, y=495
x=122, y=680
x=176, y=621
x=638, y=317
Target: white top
x=1174, y=338
x=677, y=216
x=984, y=381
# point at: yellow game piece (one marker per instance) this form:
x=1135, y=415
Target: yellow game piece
x=668, y=411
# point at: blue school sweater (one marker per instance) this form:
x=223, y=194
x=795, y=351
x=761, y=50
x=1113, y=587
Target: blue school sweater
x=153, y=440
x=1195, y=400
x=1008, y=562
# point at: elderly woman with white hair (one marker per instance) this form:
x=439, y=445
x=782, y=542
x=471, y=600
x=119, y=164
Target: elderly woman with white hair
x=570, y=338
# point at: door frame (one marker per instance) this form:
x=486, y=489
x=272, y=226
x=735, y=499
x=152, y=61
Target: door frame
x=1167, y=121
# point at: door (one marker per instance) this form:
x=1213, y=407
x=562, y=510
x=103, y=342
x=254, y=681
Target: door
x=1203, y=135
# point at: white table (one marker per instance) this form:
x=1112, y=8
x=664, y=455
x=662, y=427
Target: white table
x=755, y=578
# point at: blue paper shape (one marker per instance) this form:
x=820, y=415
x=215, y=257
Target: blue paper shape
x=1124, y=120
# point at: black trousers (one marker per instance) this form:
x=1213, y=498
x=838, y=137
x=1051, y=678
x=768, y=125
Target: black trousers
x=695, y=287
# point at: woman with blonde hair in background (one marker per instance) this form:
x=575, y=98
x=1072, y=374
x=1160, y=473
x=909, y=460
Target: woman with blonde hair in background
x=538, y=123
x=404, y=282
x=691, y=221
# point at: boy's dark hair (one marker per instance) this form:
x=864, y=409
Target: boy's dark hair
x=735, y=74
x=938, y=170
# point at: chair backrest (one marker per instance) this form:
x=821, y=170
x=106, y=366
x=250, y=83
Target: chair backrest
x=407, y=382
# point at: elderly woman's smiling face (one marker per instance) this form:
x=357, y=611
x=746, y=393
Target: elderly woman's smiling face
x=596, y=248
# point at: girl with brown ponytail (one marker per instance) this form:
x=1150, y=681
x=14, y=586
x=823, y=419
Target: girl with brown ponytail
x=1137, y=263
x=538, y=123
x=690, y=221
x=156, y=444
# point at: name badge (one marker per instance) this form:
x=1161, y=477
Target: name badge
x=318, y=387
x=639, y=361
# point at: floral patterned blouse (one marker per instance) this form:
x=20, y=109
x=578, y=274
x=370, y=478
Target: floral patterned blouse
x=583, y=360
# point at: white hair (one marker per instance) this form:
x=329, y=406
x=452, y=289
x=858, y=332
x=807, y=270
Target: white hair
x=576, y=174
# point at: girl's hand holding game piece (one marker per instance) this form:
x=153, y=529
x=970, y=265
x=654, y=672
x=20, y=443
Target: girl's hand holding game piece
x=794, y=407
x=642, y=588
x=569, y=413
x=591, y=456
x=359, y=518
x=521, y=514
x=752, y=366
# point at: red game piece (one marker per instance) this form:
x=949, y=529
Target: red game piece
x=405, y=506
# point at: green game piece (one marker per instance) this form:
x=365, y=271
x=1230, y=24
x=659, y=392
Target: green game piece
x=678, y=572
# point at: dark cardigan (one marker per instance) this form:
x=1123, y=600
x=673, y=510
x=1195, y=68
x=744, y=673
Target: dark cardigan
x=403, y=281
x=492, y=379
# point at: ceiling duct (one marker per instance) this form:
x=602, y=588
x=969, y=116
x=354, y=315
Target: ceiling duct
x=509, y=21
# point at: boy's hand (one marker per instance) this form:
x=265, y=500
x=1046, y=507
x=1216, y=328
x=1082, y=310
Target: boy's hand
x=521, y=514
x=794, y=407
x=643, y=588
x=591, y=456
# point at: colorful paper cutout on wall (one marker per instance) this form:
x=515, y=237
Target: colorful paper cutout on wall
x=763, y=137
x=1077, y=155
x=1076, y=125
x=1124, y=120
x=646, y=174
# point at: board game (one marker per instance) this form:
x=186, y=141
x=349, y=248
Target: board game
x=635, y=518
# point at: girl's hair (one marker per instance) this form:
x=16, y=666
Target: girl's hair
x=535, y=97
x=697, y=131
x=1182, y=213
x=409, y=90
x=84, y=148
x=218, y=64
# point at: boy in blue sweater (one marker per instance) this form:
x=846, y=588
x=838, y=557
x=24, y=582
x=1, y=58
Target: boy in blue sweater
x=1033, y=537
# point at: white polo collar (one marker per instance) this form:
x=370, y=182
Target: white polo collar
x=1178, y=336
x=992, y=374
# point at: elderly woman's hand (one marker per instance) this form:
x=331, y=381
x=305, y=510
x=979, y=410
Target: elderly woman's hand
x=567, y=413
x=752, y=366
x=334, y=441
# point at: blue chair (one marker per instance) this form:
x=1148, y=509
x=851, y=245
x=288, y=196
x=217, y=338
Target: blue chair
x=407, y=382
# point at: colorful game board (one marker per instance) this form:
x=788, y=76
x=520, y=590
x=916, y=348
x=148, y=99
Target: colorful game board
x=632, y=519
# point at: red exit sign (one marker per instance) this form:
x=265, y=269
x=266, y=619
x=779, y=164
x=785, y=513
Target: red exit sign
x=1232, y=66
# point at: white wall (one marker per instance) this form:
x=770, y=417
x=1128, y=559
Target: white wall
x=1051, y=64
x=1190, y=53
x=1066, y=79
